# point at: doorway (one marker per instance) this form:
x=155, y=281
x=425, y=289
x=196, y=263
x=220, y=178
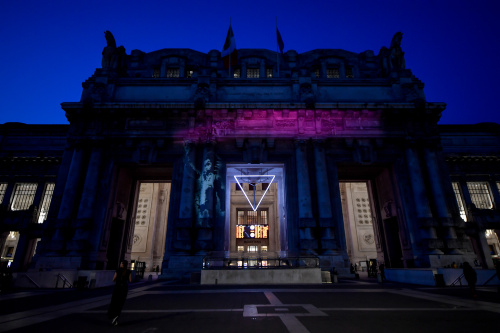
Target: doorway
x=255, y=215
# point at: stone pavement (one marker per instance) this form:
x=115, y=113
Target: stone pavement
x=348, y=306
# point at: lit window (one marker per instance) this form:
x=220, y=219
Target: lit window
x=348, y=72
x=189, y=74
x=263, y=248
x=460, y=202
x=240, y=249
x=44, y=207
x=252, y=248
x=24, y=194
x=332, y=73
x=3, y=189
x=269, y=72
x=172, y=72
x=480, y=195
x=237, y=73
x=156, y=73
x=316, y=72
x=252, y=73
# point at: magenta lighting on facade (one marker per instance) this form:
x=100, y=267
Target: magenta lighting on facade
x=257, y=177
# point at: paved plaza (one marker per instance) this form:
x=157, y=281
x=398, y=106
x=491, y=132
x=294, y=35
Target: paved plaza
x=347, y=306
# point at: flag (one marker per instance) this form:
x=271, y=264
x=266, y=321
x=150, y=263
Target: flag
x=281, y=45
x=229, y=54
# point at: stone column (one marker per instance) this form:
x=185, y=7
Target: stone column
x=425, y=223
x=184, y=223
x=204, y=240
x=495, y=193
x=435, y=179
x=84, y=221
x=306, y=221
x=68, y=200
x=324, y=203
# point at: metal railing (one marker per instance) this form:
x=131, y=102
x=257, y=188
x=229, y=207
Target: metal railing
x=31, y=280
x=457, y=280
x=65, y=281
x=259, y=262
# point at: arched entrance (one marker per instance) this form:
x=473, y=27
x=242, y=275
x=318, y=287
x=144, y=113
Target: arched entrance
x=255, y=214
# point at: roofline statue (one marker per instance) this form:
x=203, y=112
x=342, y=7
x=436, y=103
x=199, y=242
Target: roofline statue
x=113, y=58
x=392, y=59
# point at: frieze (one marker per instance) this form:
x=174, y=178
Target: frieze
x=289, y=123
x=145, y=124
x=327, y=124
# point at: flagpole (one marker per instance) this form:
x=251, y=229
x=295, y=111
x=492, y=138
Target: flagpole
x=229, y=74
x=277, y=57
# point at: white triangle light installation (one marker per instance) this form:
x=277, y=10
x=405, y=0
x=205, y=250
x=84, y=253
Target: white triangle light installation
x=258, y=180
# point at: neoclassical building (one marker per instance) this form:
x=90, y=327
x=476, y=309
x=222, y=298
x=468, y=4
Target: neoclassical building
x=172, y=159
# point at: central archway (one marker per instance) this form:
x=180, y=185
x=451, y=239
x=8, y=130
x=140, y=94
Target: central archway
x=252, y=228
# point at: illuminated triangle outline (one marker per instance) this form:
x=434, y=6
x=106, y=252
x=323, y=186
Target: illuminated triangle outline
x=242, y=190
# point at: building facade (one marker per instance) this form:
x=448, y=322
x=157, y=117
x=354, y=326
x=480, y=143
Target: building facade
x=170, y=158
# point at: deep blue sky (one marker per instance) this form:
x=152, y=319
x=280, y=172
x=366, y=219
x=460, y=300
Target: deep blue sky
x=48, y=48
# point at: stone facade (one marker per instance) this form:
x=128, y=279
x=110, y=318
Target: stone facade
x=328, y=119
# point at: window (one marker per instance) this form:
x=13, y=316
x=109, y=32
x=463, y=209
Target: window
x=237, y=73
x=252, y=224
x=253, y=248
x=480, y=195
x=24, y=194
x=189, y=74
x=317, y=72
x=172, y=72
x=240, y=249
x=3, y=189
x=332, y=73
x=252, y=73
x=248, y=216
x=45, y=205
x=156, y=73
x=348, y=72
x=269, y=72
x=263, y=248
x=460, y=202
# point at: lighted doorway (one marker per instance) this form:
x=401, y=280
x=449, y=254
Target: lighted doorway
x=357, y=211
x=255, y=214
x=150, y=224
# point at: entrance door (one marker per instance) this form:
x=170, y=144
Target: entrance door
x=150, y=224
x=357, y=211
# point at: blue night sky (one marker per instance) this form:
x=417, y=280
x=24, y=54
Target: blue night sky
x=48, y=48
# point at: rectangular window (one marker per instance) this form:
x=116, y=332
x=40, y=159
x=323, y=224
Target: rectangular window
x=240, y=248
x=460, y=202
x=269, y=72
x=252, y=248
x=237, y=73
x=263, y=248
x=251, y=217
x=317, y=73
x=241, y=217
x=348, y=72
x=172, y=72
x=263, y=217
x=3, y=189
x=189, y=74
x=480, y=195
x=24, y=194
x=156, y=73
x=253, y=73
x=332, y=73
x=45, y=205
